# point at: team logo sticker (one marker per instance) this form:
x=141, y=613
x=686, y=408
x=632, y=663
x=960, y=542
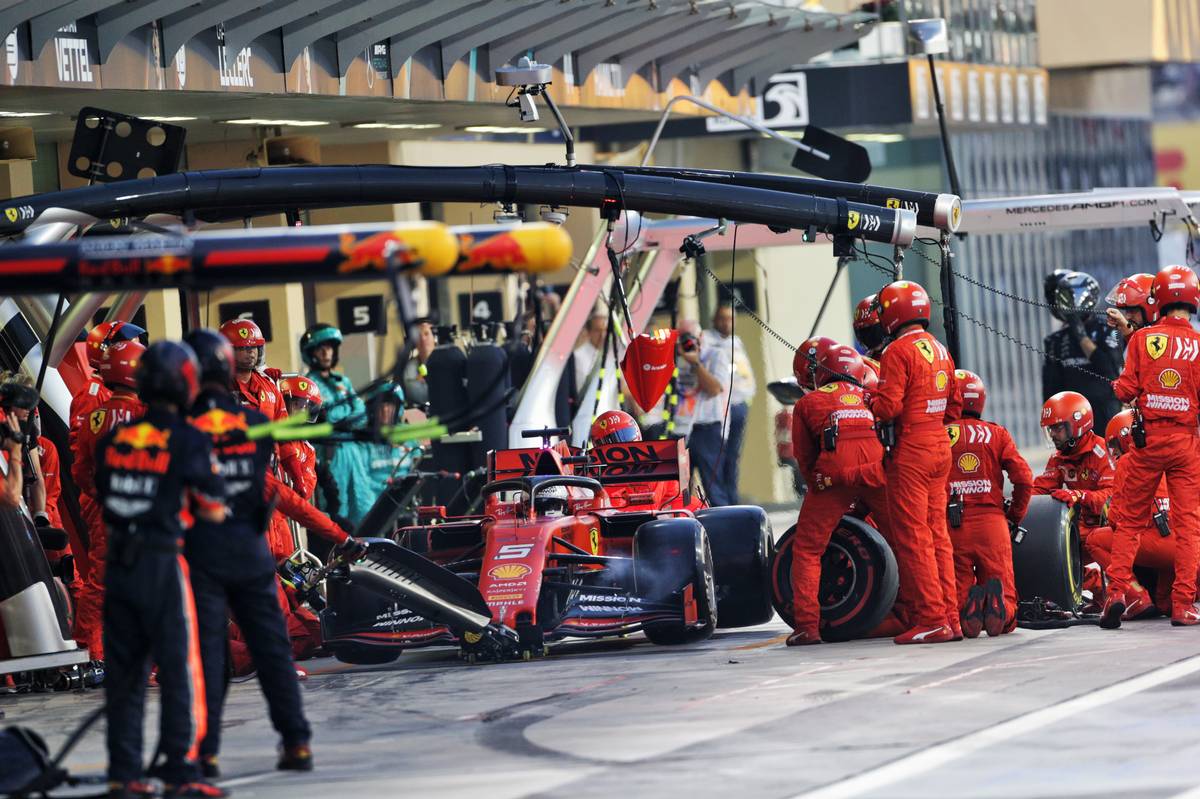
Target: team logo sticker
x=1156, y=345
x=968, y=463
x=941, y=381
x=10, y=214
x=594, y=540
x=96, y=421
x=244, y=332
x=509, y=571
x=1169, y=378
x=954, y=432
x=850, y=399
x=852, y=219
x=828, y=388
x=926, y=351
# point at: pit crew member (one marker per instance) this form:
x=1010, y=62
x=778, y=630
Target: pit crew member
x=1085, y=353
x=1132, y=304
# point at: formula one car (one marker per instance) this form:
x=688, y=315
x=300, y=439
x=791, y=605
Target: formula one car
x=570, y=544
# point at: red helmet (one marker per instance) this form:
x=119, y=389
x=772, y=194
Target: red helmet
x=902, y=303
x=870, y=381
x=612, y=427
x=972, y=390
x=120, y=362
x=95, y=342
x=243, y=333
x=1067, y=418
x=298, y=388
x=1175, y=285
x=868, y=330
x=1119, y=433
x=840, y=362
x=804, y=362
x=1135, y=292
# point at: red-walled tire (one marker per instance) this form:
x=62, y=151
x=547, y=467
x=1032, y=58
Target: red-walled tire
x=859, y=580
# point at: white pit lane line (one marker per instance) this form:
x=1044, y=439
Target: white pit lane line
x=939, y=754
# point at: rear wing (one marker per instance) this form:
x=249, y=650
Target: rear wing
x=640, y=462
x=523, y=462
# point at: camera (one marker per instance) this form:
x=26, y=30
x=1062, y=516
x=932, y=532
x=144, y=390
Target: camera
x=688, y=342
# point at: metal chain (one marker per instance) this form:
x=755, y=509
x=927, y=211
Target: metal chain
x=733, y=296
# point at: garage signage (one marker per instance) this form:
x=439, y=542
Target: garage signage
x=258, y=311
x=361, y=315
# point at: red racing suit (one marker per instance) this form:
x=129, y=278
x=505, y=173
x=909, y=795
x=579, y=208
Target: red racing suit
x=1155, y=552
x=980, y=454
x=918, y=392
x=1162, y=376
x=1088, y=470
x=830, y=493
x=89, y=398
x=117, y=409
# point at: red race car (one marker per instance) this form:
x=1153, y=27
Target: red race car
x=570, y=544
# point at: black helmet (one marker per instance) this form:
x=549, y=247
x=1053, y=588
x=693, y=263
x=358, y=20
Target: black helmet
x=1050, y=290
x=215, y=354
x=168, y=372
x=315, y=336
x=1076, y=292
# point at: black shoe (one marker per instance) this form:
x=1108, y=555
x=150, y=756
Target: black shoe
x=132, y=790
x=194, y=790
x=295, y=758
x=209, y=767
x=994, y=617
x=972, y=616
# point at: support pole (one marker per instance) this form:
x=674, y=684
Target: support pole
x=949, y=295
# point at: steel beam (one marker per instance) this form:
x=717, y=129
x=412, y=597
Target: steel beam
x=407, y=18
x=750, y=33
x=43, y=27
x=626, y=40
x=117, y=22
x=24, y=11
x=337, y=17
x=179, y=29
x=557, y=24
x=504, y=24
x=243, y=30
x=717, y=24
x=623, y=20
x=760, y=70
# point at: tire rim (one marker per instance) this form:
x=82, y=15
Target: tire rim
x=839, y=575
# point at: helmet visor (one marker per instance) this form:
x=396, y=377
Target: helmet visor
x=621, y=435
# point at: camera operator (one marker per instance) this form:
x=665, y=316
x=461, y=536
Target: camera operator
x=23, y=480
x=1085, y=342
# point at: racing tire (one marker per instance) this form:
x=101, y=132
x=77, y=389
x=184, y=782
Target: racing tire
x=742, y=545
x=1048, y=562
x=363, y=654
x=668, y=556
x=859, y=580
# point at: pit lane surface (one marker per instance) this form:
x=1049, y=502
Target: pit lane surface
x=1063, y=713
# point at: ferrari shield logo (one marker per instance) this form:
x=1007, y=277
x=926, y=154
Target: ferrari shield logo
x=10, y=214
x=954, y=432
x=243, y=332
x=96, y=421
x=594, y=540
x=852, y=218
x=1156, y=345
x=924, y=348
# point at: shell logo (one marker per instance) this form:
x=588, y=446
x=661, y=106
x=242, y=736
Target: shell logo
x=968, y=462
x=509, y=571
x=850, y=399
x=942, y=380
x=1169, y=378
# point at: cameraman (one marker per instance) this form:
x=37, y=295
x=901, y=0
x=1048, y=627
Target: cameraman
x=1084, y=342
x=18, y=401
x=10, y=462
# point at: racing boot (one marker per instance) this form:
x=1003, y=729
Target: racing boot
x=1185, y=616
x=1139, y=604
x=972, y=612
x=937, y=634
x=209, y=767
x=132, y=790
x=297, y=757
x=1114, y=606
x=994, y=615
x=194, y=790
x=1094, y=583
x=804, y=638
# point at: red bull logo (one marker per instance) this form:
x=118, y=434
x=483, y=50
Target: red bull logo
x=217, y=422
x=373, y=253
x=500, y=251
x=142, y=436
x=167, y=264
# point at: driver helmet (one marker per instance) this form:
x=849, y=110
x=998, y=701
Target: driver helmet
x=1066, y=418
x=551, y=502
x=614, y=427
x=301, y=394
x=1076, y=293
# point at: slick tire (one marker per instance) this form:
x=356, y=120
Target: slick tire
x=668, y=556
x=1048, y=561
x=364, y=655
x=859, y=580
x=741, y=541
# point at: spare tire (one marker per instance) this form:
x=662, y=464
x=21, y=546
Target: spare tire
x=1047, y=563
x=741, y=541
x=859, y=580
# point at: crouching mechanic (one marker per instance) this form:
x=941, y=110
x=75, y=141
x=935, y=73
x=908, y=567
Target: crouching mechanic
x=232, y=566
x=917, y=396
x=981, y=453
x=1156, y=552
x=833, y=433
x=1161, y=379
x=146, y=471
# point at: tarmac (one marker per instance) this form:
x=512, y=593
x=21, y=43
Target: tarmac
x=1056, y=713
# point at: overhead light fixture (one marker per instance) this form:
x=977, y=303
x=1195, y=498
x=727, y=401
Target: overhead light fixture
x=502, y=129
x=396, y=125
x=171, y=119
x=282, y=123
x=878, y=138
x=23, y=114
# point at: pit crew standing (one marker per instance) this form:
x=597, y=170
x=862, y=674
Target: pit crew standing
x=979, y=525
x=868, y=331
x=1080, y=471
x=917, y=395
x=233, y=569
x=1085, y=353
x=148, y=473
x=833, y=431
x=1132, y=304
x=118, y=370
x=301, y=395
x=94, y=392
x=347, y=461
x=1162, y=380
